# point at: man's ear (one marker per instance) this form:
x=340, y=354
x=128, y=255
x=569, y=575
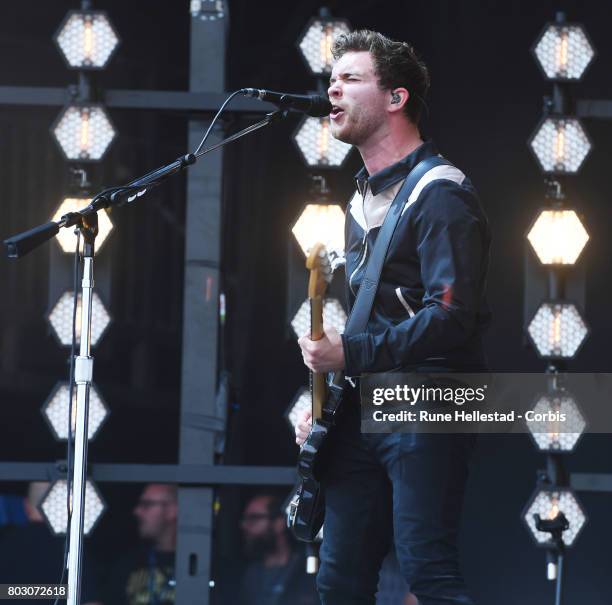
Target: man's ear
x=397, y=99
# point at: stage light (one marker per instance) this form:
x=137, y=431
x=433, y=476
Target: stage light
x=317, y=145
x=563, y=51
x=83, y=132
x=558, y=237
x=86, y=39
x=333, y=315
x=66, y=238
x=207, y=10
x=552, y=435
x=53, y=507
x=557, y=330
x=300, y=403
x=548, y=502
x=60, y=319
x=316, y=43
x=320, y=223
x=55, y=411
x=560, y=145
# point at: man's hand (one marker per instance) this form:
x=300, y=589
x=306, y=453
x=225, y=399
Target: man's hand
x=302, y=428
x=324, y=355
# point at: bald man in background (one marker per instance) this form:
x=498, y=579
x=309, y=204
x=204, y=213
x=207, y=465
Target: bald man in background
x=146, y=574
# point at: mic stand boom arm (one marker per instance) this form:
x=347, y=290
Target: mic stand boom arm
x=86, y=221
x=19, y=245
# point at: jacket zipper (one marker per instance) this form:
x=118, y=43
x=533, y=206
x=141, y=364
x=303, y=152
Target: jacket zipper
x=364, y=249
x=404, y=302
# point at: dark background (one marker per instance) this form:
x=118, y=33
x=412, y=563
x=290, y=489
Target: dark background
x=485, y=100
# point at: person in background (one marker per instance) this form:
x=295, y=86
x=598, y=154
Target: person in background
x=145, y=576
x=273, y=571
x=31, y=554
x=12, y=511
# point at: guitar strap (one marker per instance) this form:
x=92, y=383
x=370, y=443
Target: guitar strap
x=362, y=307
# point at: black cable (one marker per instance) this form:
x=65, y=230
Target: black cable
x=143, y=182
x=210, y=127
x=150, y=179
x=69, y=456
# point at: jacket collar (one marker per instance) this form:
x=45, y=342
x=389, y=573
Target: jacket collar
x=391, y=175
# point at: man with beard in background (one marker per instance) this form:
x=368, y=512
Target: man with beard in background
x=275, y=573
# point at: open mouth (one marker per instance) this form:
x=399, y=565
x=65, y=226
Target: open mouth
x=336, y=112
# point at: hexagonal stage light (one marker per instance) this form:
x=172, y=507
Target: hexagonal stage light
x=86, y=39
x=333, y=315
x=66, y=238
x=316, y=42
x=299, y=404
x=320, y=223
x=548, y=502
x=55, y=411
x=563, y=51
x=60, y=319
x=558, y=237
x=207, y=10
x=557, y=330
x=53, y=507
x=560, y=145
x=551, y=435
x=83, y=132
x=317, y=145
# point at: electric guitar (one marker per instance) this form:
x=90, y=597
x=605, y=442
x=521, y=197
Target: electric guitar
x=306, y=508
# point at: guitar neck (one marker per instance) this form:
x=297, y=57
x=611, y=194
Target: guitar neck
x=318, y=388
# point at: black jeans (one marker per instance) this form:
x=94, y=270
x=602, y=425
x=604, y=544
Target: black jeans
x=400, y=487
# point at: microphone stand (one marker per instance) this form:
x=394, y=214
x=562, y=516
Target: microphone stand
x=83, y=376
x=555, y=527
x=86, y=221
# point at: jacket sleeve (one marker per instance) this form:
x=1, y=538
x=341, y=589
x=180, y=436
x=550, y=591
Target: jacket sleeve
x=450, y=236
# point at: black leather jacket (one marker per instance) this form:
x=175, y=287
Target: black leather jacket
x=430, y=310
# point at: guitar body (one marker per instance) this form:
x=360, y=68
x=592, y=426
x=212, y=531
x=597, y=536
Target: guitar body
x=307, y=511
x=307, y=506
x=310, y=459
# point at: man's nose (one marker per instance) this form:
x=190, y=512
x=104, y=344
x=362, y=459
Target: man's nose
x=334, y=91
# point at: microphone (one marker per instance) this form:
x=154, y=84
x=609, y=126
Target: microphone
x=313, y=105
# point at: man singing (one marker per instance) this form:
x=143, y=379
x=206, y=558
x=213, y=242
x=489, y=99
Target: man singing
x=429, y=314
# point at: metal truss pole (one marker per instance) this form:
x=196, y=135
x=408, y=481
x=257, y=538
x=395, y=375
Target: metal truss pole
x=200, y=324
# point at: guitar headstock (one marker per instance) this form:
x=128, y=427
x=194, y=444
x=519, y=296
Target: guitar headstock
x=319, y=265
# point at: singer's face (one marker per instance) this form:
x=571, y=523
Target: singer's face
x=359, y=103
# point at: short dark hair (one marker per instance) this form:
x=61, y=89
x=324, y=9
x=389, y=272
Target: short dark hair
x=275, y=506
x=274, y=502
x=396, y=65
